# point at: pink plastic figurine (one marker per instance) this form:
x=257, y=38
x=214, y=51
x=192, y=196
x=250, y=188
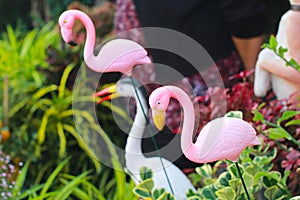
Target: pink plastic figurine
x=271, y=71
x=134, y=156
x=222, y=138
x=119, y=55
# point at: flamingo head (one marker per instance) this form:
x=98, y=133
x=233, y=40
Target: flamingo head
x=66, y=23
x=159, y=101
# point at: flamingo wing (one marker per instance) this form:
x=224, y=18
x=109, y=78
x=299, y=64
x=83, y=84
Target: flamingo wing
x=121, y=55
x=225, y=138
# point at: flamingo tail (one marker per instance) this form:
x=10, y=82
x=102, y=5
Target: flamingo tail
x=145, y=60
x=256, y=141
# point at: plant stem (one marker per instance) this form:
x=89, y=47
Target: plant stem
x=270, y=124
x=295, y=141
x=243, y=182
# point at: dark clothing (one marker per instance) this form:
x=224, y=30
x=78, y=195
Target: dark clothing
x=210, y=22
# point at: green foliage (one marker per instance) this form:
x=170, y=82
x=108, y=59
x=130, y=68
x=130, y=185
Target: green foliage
x=280, y=51
x=145, y=189
x=146, y=173
x=278, y=131
x=256, y=172
x=76, y=186
x=61, y=185
x=21, y=55
x=53, y=104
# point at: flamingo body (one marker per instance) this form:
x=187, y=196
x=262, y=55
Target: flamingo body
x=134, y=157
x=119, y=55
x=225, y=138
x=222, y=138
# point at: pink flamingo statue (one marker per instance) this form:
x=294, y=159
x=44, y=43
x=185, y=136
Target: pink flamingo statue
x=221, y=138
x=134, y=158
x=119, y=55
x=270, y=70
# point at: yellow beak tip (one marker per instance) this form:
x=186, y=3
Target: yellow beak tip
x=158, y=119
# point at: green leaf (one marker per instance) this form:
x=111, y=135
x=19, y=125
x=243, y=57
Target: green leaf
x=12, y=37
x=53, y=175
x=147, y=184
x=192, y=193
x=21, y=179
x=282, y=51
x=226, y=193
x=44, y=90
x=235, y=183
x=273, y=43
x=90, y=187
x=28, y=192
x=141, y=192
x=249, y=180
x=258, y=116
x=293, y=122
x=287, y=114
x=158, y=192
x=233, y=170
x=67, y=190
x=76, y=191
x=27, y=43
x=224, y=178
x=146, y=173
x=62, y=139
x=251, y=170
x=269, y=181
x=278, y=133
x=166, y=196
x=275, y=175
x=209, y=192
x=285, y=176
x=209, y=181
x=293, y=63
x=204, y=171
x=63, y=80
x=83, y=145
x=262, y=161
x=271, y=192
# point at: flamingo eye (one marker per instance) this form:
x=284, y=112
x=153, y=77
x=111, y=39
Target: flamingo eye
x=65, y=21
x=158, y=102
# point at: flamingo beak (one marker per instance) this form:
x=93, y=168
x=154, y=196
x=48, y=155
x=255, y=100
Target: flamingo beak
x=67, y=36
x=107, y=94
x=72, y=43
x=159, y=118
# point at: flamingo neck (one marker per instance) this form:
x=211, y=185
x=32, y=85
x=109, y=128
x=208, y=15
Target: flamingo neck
x=134, y=140
x=188, y=122
x=90, y=34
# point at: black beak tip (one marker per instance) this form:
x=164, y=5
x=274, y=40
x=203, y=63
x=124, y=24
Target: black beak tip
x=72, y=43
